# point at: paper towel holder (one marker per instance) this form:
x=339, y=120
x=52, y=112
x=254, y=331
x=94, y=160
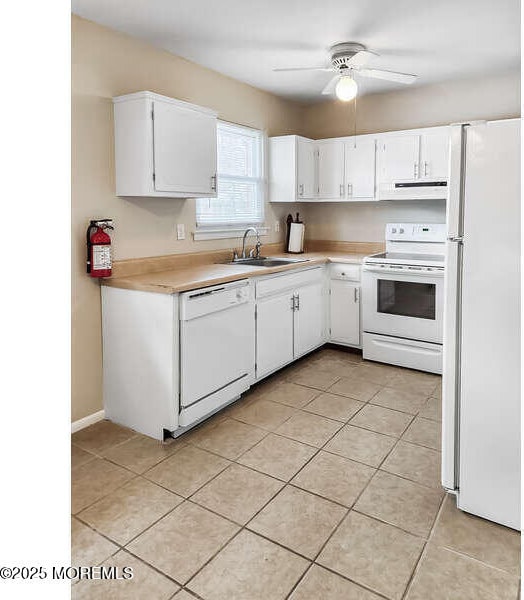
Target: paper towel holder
x=295, y=235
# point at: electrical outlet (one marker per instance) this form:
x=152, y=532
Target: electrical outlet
x=277, y=226
x=180, y=231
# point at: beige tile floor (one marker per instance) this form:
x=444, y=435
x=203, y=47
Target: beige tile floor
x=322, y=482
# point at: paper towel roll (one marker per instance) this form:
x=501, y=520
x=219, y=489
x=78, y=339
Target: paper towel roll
x=296, y=238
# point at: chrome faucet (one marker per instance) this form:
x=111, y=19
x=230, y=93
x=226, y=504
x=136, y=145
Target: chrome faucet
x=257, y=245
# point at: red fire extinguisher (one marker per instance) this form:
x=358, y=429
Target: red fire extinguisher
x=99, y=248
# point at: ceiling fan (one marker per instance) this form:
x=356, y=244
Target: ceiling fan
x=347, y=59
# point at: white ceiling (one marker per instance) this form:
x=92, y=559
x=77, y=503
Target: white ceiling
x=439, y=40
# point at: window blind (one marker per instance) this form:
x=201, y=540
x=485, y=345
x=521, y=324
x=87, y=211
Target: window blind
x=240, y=191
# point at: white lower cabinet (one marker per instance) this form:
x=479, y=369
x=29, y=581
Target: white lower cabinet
x=344, y=305
x=309, y=318
x=140, y=333
x=291, y=311
x=274, y=333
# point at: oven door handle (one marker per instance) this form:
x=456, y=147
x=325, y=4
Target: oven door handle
x=433, y=273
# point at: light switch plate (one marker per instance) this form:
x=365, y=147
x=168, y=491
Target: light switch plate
x=277, y=226
x=180, y=231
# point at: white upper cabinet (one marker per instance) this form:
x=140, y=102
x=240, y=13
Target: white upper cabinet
x=330, y=157
x=434, y=154
x=409, y=165
x=306, y=168
x=399, y=157
x=292, y=169
x=413, y=165
x=164, y=147
x=360, y=168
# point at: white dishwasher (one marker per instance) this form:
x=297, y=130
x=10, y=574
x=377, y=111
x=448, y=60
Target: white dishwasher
x=217, y=348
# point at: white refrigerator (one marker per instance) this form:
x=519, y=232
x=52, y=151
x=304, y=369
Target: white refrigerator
x=481, y=375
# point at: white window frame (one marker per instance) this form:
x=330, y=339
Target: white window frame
x=223, y=231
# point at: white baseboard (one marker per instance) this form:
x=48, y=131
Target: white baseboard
x=86, y=421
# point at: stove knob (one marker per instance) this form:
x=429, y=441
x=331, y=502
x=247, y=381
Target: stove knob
x=394, y=230
x=401, y=230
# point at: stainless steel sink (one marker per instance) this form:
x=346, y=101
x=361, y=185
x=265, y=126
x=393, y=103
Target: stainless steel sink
x=266, y=261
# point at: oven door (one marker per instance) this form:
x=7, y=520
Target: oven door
x=404, y=302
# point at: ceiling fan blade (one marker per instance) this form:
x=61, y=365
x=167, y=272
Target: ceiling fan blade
x=306, y=69
x=388, y=75
x=330, y=87
x=361, y=58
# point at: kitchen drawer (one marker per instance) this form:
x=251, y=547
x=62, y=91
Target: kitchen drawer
x=344, y=272
x=288, y=281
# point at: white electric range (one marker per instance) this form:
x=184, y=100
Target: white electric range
x=403, y=297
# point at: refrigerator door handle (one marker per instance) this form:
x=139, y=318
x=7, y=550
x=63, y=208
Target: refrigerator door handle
x=451, y=365
x=457, y=161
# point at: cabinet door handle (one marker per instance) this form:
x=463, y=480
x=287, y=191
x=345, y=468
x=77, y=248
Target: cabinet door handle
x=213, y=183
x=425, y=168
x=356, y=294
x=341, y=190
x=415, y=170
x=296, y=302
x=301, y=189
x=350, y=189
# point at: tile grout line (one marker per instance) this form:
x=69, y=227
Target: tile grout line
x=356, y=500
x=189, y=498
x=477, y=560
x=341, y=520
x=121, y=548
x=231, y=461
x=112, y=491
x=234, y=461
x=418, y=563
x=245, y=526
x=333, y=533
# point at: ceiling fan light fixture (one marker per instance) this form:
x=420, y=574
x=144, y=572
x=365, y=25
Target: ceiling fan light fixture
x=346, y=88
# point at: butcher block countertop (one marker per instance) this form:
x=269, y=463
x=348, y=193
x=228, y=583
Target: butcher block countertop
x=194, y=271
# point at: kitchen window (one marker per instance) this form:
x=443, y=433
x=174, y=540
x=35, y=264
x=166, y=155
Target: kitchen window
x=240, y=184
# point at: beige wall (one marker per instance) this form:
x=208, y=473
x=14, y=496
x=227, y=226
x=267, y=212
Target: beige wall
x=491, y=97
x=105, y=64
x=365, y=221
